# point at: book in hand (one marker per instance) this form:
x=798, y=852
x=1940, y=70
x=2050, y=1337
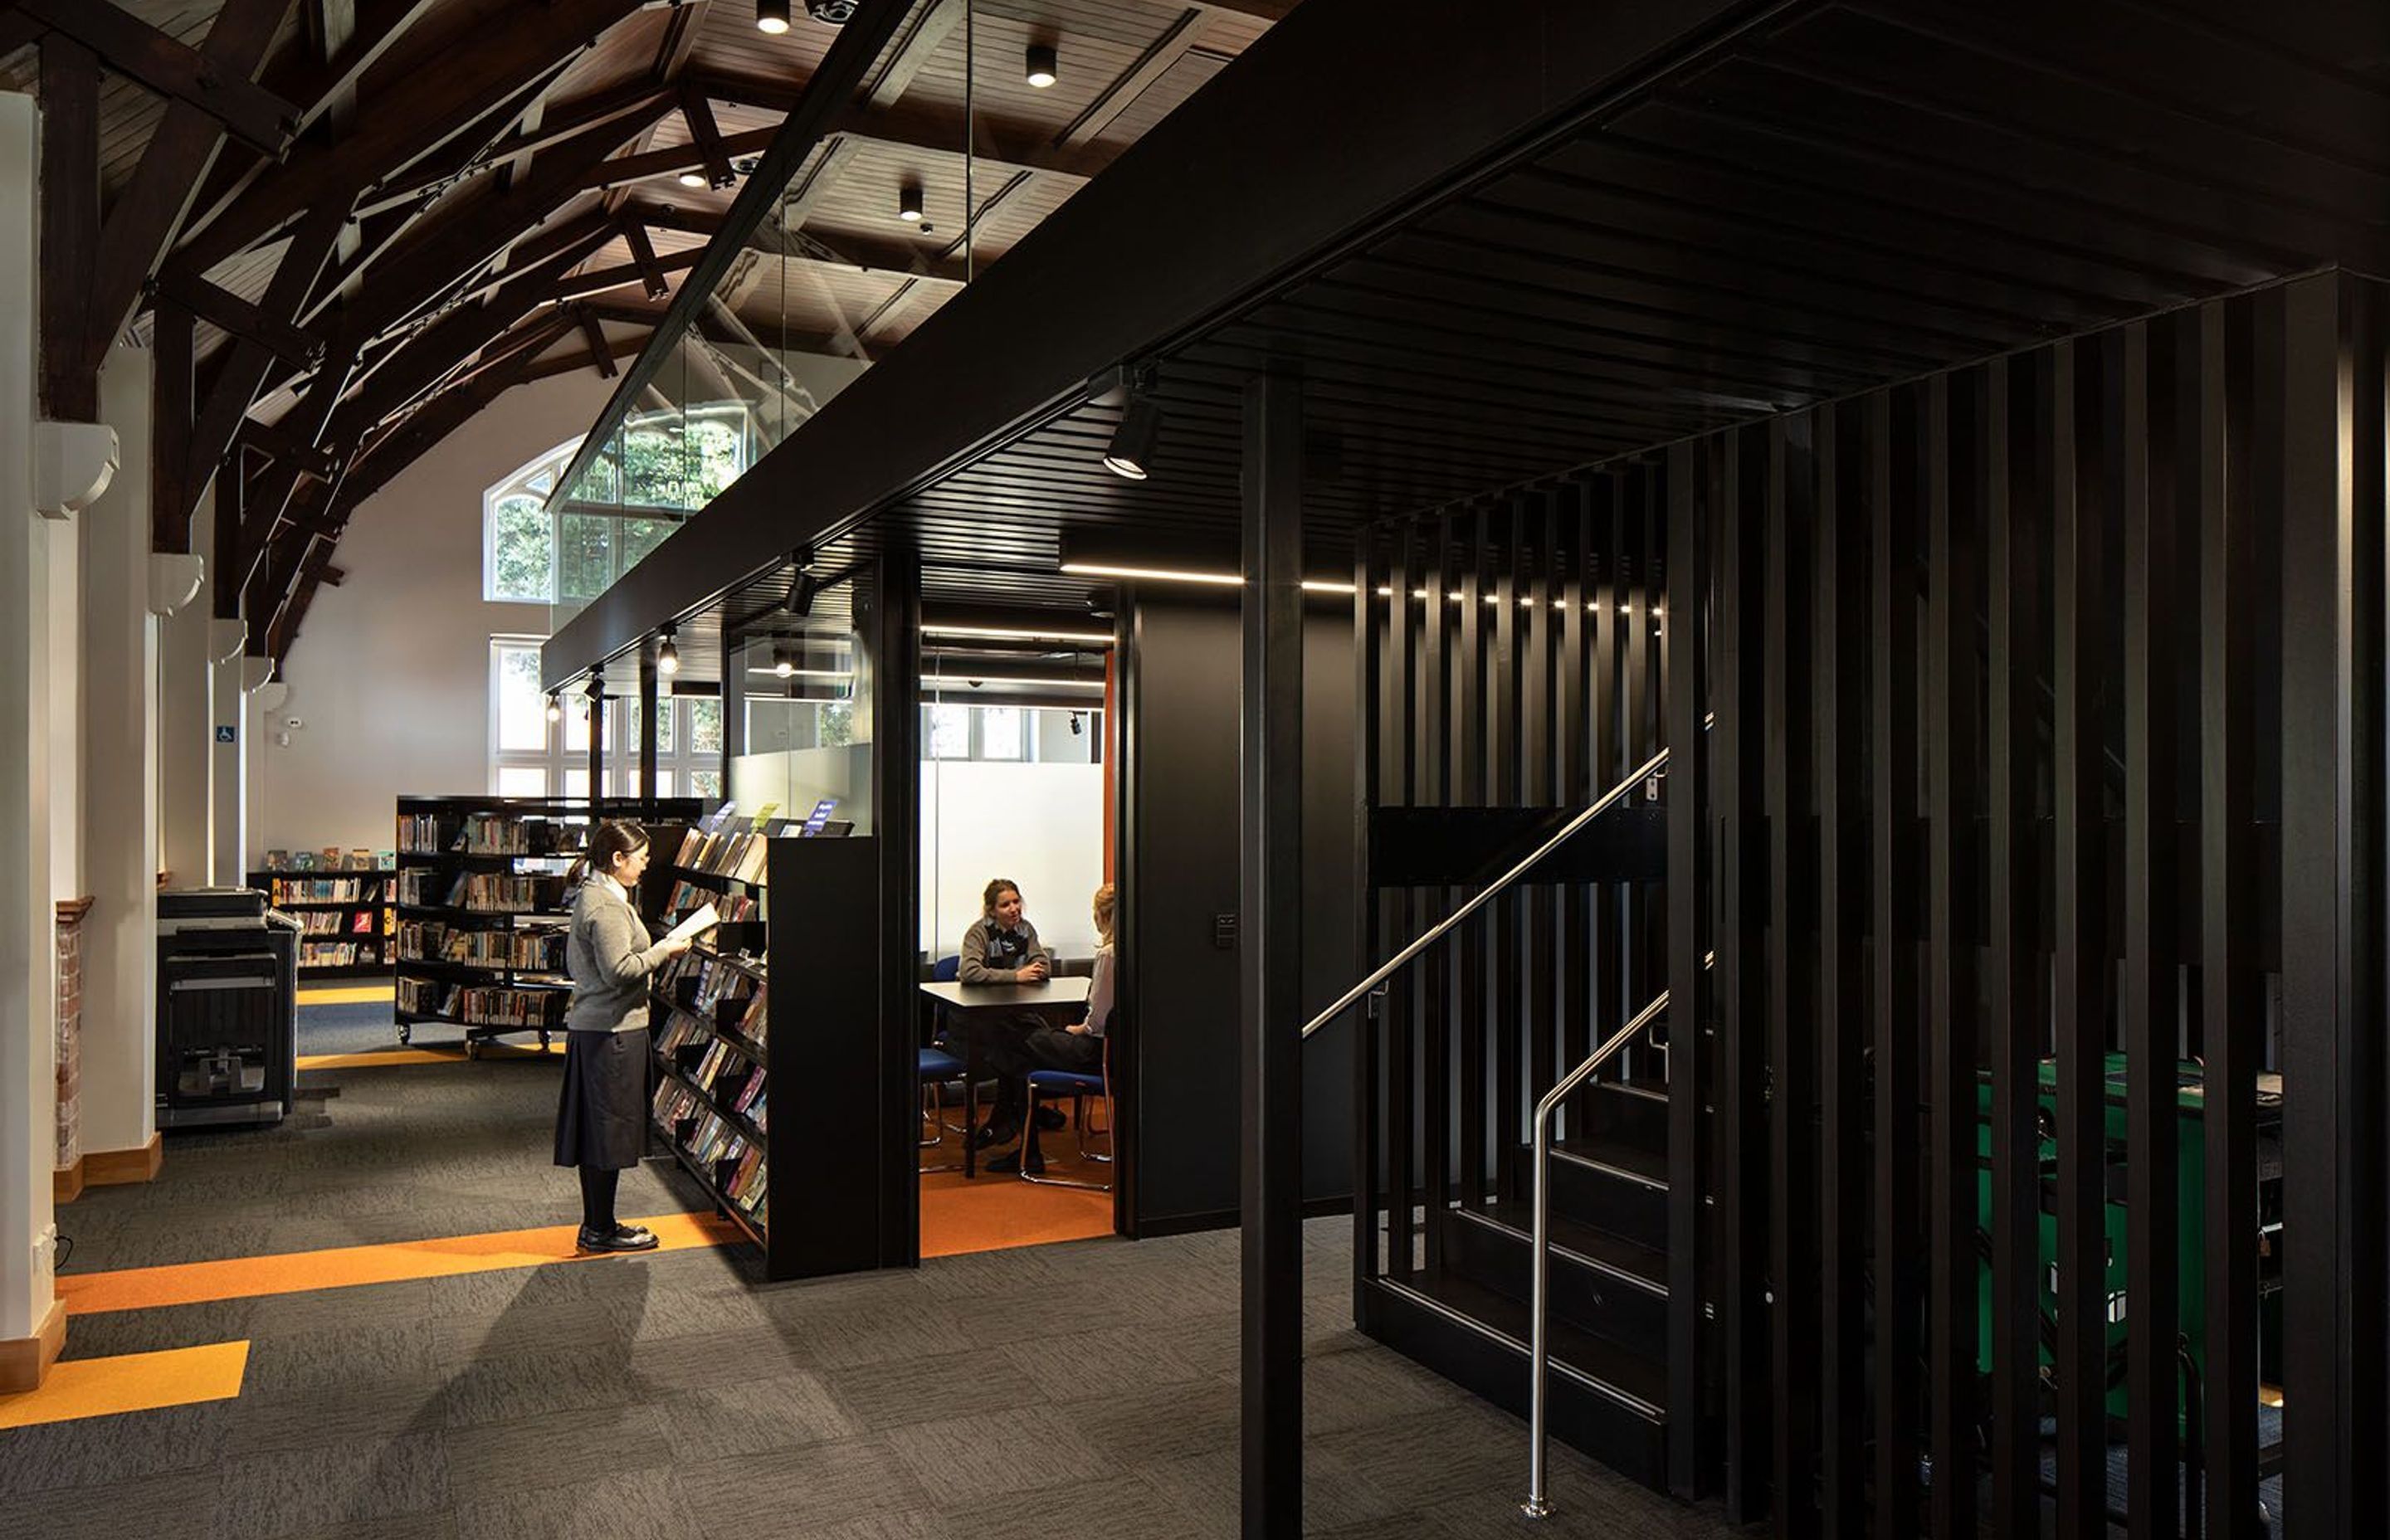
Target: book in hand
x=704, y=920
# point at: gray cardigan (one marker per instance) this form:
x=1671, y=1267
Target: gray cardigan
x=609, y=956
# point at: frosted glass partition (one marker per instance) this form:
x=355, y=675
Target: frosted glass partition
x=793, y=780
x=1040, y=825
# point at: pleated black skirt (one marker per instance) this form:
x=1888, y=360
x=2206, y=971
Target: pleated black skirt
x=601, y=1117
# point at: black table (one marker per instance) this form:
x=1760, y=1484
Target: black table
x=1065, y=999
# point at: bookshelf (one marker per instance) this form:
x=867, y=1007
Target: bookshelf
x=344, y=915
x=480, y=909
x=739, y=1095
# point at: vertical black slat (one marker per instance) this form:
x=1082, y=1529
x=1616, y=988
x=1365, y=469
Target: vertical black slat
x=1790, y=883
x=2369, y=454
x=1953, y=604
x=643, y=785
x=1468, y=943
x=1609, y=756
x=1840, y=700
x=2330, y=1021
x=1270, y=959
x=1369, y=760
x=1536, y=742
x=1688, y=804
x=1573, y=526
x=2231, y=988
x=1891, y=450
x=2080, y=1369
x=2143, y=473
x=1635, y=689
x=1509, y=1010
x=2015, y=992
x=1434, y=788
x=1741, y=1015
x=1402, y=758
x=1652, y=903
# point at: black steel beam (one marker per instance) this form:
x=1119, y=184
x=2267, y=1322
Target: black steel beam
x=1271, y=961
x=1689, y=765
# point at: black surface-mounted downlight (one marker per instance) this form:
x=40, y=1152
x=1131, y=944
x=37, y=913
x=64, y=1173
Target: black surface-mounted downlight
x=1131, y=453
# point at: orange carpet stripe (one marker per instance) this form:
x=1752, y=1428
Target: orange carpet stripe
x=379, y=1058
x=351, y=1266
x=79, y=1388
x=352, y=994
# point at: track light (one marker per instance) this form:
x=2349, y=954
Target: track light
x=668, y=655
x=1077, y=726
x=801, y=595
x=908, y=203
x=1041, y=65
x=772, y=15
x=1131, y=453
x=556, y=705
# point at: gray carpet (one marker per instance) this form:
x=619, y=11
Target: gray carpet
x=1087, y=1388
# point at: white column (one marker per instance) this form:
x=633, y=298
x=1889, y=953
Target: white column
x=28, y=950
x=120, y=724
x=185, y=732
x=227, y=759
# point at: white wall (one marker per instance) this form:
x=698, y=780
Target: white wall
x=390, y=675
x=1041, y=825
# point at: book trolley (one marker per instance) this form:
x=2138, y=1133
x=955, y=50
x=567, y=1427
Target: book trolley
x=746, y=1084
x=481, y=910
x=344, y=915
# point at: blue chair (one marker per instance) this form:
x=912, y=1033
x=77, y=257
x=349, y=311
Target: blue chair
x=937, y=1069
x=1078, y=1085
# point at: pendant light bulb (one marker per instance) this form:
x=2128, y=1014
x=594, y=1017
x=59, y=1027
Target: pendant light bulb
x=555, y=706
x=783, y=666
x=1042, y=72
x=772, y=15
x=668, y=657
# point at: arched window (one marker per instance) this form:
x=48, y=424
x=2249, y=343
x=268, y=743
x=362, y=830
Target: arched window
x=518, y=533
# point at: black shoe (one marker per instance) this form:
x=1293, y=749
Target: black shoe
x=990, y=1134
x=621, y=1238
x=1051, y=1118
x=1009, y=1162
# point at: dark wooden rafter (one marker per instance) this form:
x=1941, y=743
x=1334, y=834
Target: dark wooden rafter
x=706, y=135
x=650, y=164
x=231, y=314
x=288, y=449
x=643, y=258
x=69, y=232
x=465, y=70
x=601, y=352
x=245, y=366
x=303, y=425
x=920, y=43
x=617, y=349
x=564, y=120
x=173, y=69
x=154, y=204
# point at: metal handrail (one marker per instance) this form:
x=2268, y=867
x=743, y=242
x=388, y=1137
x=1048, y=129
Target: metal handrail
x=1437, y=933
x=1539, y=1504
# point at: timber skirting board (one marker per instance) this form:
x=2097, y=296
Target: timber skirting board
x=109, y=1168
x=25, y=1361
x=67, y=1182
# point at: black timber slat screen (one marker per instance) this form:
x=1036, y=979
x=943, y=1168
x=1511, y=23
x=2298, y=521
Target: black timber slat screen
x=2029, y=1141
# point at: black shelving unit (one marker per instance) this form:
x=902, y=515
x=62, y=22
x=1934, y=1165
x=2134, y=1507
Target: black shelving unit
x=821, y=1088
x=445, y=842
x=373, y=946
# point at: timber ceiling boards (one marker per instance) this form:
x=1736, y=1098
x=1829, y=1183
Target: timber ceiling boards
x=475, y=141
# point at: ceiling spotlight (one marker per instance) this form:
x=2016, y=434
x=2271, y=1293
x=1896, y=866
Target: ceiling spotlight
x=908, y=203
x=772, y=15
x=1041, y=65
x=783, y=666
x=801, y=595
x=1131, y=453
x=668, y=655
x=692, y=179
x=1077, y=726
x=556, y=705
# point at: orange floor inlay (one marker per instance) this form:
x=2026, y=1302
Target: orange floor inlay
x=348, y=994
x=133, y=1382
x=379, y=1058
x=349, y=1266
x=995, y=1212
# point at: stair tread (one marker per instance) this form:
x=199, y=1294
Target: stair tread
x=1615, y=1253
x=1613, y=1365
x=1649, y=1087
x=1650, y=1166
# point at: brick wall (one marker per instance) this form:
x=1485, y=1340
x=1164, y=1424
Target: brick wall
x=71, y=918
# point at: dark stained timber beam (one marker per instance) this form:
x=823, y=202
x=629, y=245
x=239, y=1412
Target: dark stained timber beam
x=563, y=122
x=706, y=134
x=230, y=312
x=601, y=352
x=465, y=69
x=650, y=279
x=151, y=209
x=286, y=450
x=245, y=368
x=70, y=233
x=653, y=164
x=131, y=47
x=643, y=257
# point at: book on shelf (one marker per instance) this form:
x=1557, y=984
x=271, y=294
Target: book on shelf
x=322, y=953
x=687, y=896
x=528, y=951
x=481, y=1005
x=485, y=893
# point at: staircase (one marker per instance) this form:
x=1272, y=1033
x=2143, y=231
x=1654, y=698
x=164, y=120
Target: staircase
x=1466, y=1317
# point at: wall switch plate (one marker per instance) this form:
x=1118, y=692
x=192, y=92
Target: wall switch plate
x=1223, y=932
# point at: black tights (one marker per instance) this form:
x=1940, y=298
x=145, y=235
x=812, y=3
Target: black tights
x=597, y=1199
